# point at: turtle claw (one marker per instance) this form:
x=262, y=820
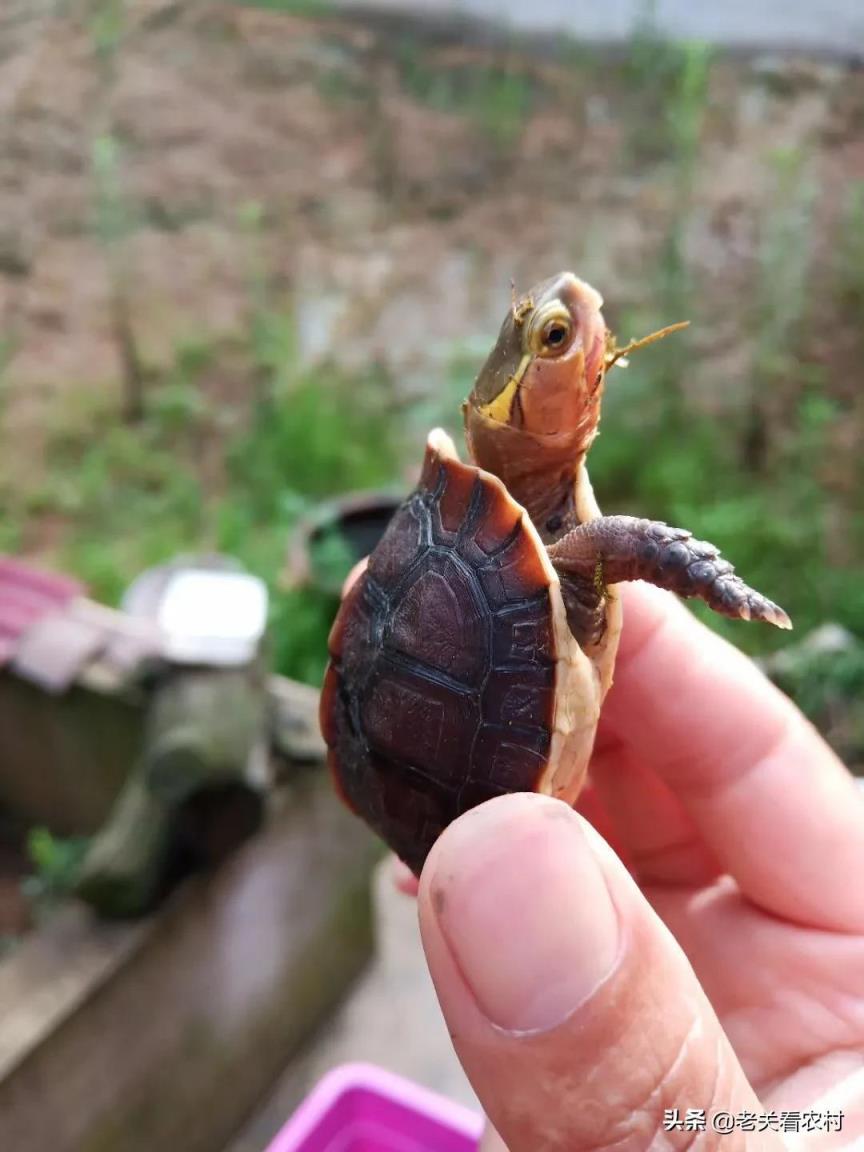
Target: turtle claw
x=779, y=618
x=761, y=609
x=710, y=578
x=729, y=596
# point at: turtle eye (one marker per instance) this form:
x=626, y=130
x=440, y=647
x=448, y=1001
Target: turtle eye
x=555, y=335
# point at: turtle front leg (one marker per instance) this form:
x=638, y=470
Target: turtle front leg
x=613, y=549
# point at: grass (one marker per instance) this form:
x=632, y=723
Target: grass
x=750, y=481
x=785, y=260
x=771, y=527
x=316, y=437
x=313, y=8
x=666, y=83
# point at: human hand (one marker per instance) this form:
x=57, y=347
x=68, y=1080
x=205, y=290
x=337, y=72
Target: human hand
x=720, y=967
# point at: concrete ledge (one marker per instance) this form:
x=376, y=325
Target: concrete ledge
x=830, y=27
x=165, y=1034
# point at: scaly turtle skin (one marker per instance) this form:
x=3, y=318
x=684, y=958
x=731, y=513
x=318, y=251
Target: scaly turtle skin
x=473, y=655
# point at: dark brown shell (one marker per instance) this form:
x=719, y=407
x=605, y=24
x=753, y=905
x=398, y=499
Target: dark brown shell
x=440, y=693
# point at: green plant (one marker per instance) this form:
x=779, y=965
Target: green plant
x=499, y=102
x=780, y=309
x=113, y=218
x=671, y=80
x=686, y=115
x=106, y=26
x=7, y=347
x=250, y=219
x=331, y=556
x=784, y=261
x=849, y=259
x=320, y=434
x=687, y=473
x=314, y=437
x=440, y=404
x=300, y=621
x=824, y=675
x=56, y=862
x=114, y=222
x=667, y=81
x=495, y=95
x=127, y=498
x=823, y=679
x=290, y=7
x=11, y=527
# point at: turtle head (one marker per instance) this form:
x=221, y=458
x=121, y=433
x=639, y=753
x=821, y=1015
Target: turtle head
x=544, y=376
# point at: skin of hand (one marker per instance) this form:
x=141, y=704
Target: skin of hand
x=691, y=938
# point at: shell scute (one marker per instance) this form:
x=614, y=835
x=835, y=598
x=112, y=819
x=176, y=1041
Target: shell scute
x=523, y=637
x=413, y=809
x=462, y=492
x=512, y=700
x=416, y=721
x=512, y=759
x=515, y=573
x=398, y=546
x=439, y=623
x=499, y=523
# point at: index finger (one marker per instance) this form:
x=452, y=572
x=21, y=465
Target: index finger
x=773, y=804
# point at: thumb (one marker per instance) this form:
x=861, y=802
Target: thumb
x=576, y=1016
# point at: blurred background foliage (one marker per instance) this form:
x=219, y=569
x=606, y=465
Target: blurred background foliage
x=302, y=248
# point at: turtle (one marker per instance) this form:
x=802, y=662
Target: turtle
x=472, y=656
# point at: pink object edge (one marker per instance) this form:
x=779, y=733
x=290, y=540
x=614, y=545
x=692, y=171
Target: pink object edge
x=371, y=1078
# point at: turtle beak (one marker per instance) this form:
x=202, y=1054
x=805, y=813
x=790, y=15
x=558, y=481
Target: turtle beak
x=498, y=381
x=500, y=408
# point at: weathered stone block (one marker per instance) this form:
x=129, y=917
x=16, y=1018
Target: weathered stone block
x=165, y=1034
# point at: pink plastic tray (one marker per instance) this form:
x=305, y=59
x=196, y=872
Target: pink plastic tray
x=361, y=1108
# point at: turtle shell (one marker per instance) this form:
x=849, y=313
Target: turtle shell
x=441, y=690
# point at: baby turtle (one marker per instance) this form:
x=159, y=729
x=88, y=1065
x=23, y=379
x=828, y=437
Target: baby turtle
x=473, y=655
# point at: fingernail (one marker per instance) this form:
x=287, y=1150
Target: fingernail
x=525, y=910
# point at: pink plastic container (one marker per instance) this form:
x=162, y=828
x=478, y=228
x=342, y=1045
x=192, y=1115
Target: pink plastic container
x=361, y=1108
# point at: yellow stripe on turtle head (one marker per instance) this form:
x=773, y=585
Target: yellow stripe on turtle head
x=501, y=408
